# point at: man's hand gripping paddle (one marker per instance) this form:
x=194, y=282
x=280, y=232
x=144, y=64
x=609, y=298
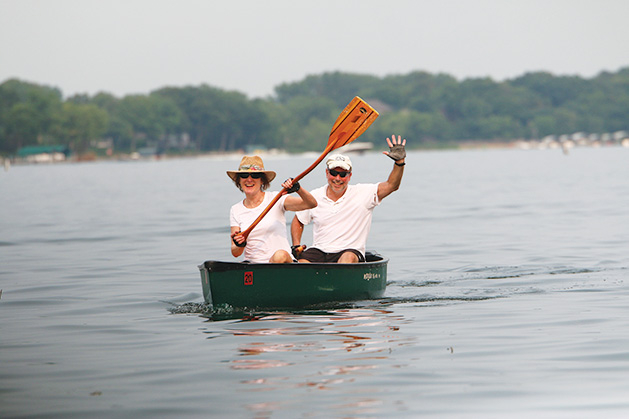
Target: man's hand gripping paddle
x=351, y=123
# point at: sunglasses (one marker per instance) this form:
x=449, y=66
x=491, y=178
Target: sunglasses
x=253, y=175
x=334, y=173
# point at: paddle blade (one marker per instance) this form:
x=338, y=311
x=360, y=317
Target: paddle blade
x=357, y=116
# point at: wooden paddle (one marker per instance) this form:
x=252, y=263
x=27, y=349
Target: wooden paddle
x=351, y=123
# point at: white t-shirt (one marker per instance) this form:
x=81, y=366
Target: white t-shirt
x=269, y=235
x=343, y=224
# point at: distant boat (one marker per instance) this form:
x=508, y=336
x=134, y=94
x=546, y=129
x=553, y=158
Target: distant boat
x=43, y=153
x=355, y=148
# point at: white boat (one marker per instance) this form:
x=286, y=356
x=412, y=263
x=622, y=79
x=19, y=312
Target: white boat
x=355, y=148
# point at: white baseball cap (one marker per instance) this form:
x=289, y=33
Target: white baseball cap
x=339, y=160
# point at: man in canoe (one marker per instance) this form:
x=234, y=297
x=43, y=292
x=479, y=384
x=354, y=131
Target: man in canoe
x=342, y=218
x=268, y=242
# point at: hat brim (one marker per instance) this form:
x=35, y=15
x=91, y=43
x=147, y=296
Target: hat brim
x=340, y=165
x=270, y=175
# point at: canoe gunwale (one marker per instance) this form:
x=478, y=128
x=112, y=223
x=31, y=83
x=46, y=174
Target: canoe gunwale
x=218, y=265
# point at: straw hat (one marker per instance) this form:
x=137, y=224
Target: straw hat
x=251, y=164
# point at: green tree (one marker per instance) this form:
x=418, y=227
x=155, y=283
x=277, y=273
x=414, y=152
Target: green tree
x=19, y=128
x=27, y=112
x=119, y=129
x=221, y=120
x=80, y=124
x=421, y=127
x=304, y=119
x=336, y=86
x=542, y=125
x=556, y=90
x=146, y=119
x=418, y=90
x=312, y=137
x=566, y=121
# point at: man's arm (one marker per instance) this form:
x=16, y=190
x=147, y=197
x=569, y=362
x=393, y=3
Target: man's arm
x=305, y=200
x=392, y=184
x=296, y=230
x=398, y=154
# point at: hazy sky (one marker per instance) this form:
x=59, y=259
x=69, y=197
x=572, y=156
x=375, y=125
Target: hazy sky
x=136, y=46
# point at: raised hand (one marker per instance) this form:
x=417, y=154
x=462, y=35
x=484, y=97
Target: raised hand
x=396, y=148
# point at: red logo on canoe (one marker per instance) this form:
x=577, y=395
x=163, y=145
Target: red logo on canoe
x=248, y=278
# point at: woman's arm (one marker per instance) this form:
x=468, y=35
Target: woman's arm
x=236, y=250
x=304, y=202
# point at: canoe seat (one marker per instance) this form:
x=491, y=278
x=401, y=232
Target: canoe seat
x=371, y=256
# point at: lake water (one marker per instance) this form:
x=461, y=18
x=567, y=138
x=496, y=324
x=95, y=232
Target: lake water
x=507, y=294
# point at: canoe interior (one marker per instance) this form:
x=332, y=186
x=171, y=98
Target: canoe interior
x=280, y=285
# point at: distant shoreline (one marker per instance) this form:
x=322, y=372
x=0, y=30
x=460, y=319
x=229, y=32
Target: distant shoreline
x=235, y=155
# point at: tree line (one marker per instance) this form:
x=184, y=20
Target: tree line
x=430, y=109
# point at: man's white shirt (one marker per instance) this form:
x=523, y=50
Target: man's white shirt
x=342, y=224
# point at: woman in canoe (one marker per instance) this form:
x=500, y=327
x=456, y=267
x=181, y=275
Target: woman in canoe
x=268, y=241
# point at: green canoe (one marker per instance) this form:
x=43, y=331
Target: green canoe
x=282, y=285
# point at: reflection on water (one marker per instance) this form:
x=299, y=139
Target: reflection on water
x=340, y=327
x=249, y=364
x=330, y=350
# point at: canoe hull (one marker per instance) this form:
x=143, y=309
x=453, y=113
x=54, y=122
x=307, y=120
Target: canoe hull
x=277, y=285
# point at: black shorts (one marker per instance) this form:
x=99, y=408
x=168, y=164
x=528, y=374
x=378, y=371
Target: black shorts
x=315, y=255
